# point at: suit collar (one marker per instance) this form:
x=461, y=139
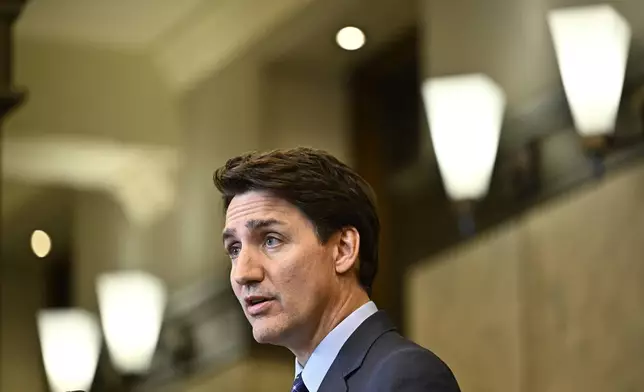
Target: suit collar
x=355, y=350
x=325, y=353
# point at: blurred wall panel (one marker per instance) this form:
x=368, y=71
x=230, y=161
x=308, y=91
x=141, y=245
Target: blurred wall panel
x=464, y=305
x=583, y=275
x=551, y=302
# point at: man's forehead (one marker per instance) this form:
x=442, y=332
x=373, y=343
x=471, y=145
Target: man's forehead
x=254, y=210
x=256, y=205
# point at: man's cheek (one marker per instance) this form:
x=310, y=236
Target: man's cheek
x=236, y=291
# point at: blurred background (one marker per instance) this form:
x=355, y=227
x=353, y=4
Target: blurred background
x=503, y=138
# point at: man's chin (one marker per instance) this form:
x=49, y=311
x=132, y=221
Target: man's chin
x=265, y=332
x=263, y=336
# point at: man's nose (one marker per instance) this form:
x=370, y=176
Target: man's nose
x=248, y=268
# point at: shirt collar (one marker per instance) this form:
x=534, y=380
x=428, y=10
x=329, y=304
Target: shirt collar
x=326, y=352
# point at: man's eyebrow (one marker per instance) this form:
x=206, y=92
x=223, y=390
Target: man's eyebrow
x=253, y=224
x=228, y=233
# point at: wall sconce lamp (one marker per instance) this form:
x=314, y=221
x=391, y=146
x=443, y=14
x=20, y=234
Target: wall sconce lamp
x=70, y=341
x=131, y=304
x=591, y=44
x=465, y=115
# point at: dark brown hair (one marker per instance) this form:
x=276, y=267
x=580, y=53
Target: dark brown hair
x=328, y=192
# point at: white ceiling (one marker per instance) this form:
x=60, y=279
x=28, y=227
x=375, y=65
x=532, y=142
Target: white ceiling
x=115, y=22
x=131, y=173
x=212, y=32
x=185, y=40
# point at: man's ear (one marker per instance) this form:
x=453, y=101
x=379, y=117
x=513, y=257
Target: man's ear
x=348, y=248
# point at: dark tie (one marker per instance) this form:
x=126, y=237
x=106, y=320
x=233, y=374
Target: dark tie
x=298, y=384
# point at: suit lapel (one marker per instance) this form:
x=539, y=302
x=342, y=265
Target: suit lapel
x=353, y=352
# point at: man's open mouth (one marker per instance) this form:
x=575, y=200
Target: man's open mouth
x=257, y=305
x=256, y=300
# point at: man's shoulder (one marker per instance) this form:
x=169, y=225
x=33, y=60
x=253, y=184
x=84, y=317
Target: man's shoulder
x=393, y=347
x=376, y=358
x=396, y=363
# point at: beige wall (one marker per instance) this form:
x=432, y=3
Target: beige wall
x=465, y=307
x=551, y=302
x=20, y=297
x=304, y=108
x=584, y=325
x=100, y=243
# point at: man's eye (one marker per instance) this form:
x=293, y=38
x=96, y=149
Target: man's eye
x=233, y=251
x=272, y=241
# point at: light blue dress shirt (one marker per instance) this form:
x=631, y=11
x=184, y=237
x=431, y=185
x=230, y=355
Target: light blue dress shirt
x=325, y=353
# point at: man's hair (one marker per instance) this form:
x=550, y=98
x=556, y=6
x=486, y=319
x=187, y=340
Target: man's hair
x=328, y=192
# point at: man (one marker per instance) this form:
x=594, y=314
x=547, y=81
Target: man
x=302, y=234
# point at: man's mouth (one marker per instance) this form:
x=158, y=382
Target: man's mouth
x=256, y=304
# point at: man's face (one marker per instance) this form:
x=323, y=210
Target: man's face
x=281, y=274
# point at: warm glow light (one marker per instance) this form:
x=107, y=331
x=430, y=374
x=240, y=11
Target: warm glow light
x=70, y=340
x=592, y=48
x=465, y=115
x=350, y=38
x=132, y=305
x=40, y=243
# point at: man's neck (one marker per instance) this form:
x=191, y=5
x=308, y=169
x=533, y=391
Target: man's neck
x=328, y=322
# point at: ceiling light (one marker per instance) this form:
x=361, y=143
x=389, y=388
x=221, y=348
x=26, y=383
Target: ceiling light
x=40, y=243
x=350, y=38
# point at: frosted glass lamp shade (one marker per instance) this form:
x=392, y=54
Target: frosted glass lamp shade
x=591, y=44
x=132, y=304
x=465, y=115
x=70, y=341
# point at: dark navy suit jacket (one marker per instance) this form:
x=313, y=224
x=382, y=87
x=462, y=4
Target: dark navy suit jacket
x=376, y=358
